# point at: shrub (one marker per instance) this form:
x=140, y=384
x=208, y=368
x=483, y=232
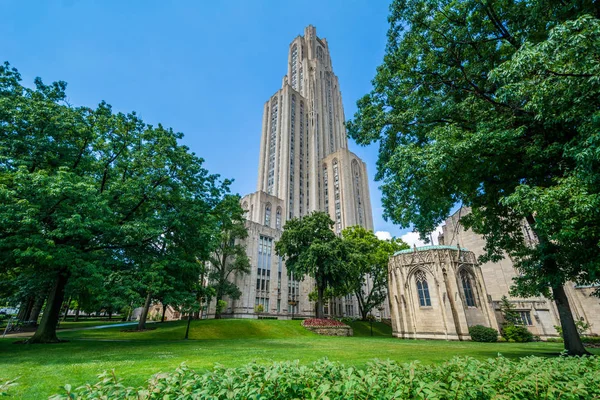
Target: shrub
x=480, y=333
x=459, y=378
x=517, y=334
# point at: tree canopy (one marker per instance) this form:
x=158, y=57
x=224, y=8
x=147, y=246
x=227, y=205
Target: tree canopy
x=86, y=192
x=494, y=105
x=310, y=247
x=366, y=272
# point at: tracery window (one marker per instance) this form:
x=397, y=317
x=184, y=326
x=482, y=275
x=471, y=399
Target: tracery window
x=268, y=215
x=422, y=289
x=319, y=53
x=465, y=278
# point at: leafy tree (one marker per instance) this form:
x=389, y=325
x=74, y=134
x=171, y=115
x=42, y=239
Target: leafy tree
x=85, y=191
x=368, y=258
x=494, y=105
x=509, y=312
x=310, y=247
x=229, y=256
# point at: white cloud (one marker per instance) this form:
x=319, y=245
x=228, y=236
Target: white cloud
x=412, y=238
x=383, y=235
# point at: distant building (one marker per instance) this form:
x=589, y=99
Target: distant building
x=438, y=291
x=304, y=165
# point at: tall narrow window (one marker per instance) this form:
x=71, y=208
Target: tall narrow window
x=467, y=288
x=278, y=219
x=268, y=215
x=294, y=67
x=293, y=156
x=263, y=276
x=272, y=148
x=338, y=204
x=357, y=194
x=422, y=289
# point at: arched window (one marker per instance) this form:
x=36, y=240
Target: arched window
x=465, y=278
x=422, y=289
x=268, y=215
x=278, y=219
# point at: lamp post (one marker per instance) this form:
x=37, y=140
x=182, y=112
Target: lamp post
x=293, y=304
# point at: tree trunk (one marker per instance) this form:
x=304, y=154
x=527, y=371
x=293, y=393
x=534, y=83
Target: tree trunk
x=46, y=331
x=25, y=309
x=34, y=315
x=219, y=297
x=110, y=313
x=67, y=309
x=76, y=319
x=320, y=292
x=144, y=315
x=572, y=340
x=164, y=311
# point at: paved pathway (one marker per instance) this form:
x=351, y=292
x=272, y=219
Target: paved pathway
x=29, y=334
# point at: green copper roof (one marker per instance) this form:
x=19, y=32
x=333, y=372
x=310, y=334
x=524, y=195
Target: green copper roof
x=423, y=248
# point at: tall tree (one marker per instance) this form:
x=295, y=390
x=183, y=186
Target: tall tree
x=229, y=255
x=310, y=247
x=367, y=270
x=495, y=105
x=85, y=189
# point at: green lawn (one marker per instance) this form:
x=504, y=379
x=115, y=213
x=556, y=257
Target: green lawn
x=136, y=356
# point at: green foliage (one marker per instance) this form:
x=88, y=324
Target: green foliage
x=221, y=306
x=495, y=106
x=310, y=247
x=258, y=309
x=480, y=333
x=460, y=378
x=509, y=312
x=368, y=259
x=581, y=325
x=229, y=256
x=516, y=333
x=96, y=204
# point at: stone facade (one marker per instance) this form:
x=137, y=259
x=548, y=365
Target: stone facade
x=304, y=165
x=437, y=292
x=539, y=313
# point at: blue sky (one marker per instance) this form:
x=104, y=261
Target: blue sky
x=204, y=68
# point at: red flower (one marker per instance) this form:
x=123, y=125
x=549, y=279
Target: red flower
x=318, y=322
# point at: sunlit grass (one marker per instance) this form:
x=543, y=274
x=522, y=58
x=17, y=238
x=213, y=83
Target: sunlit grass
x=137, y=355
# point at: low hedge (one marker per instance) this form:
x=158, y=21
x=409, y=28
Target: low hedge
x=460, y=378
x=480, y=333
x=517, y=333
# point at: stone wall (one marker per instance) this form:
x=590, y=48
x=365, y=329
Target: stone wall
x=331, y=330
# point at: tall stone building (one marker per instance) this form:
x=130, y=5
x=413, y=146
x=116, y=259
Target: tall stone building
x=304, y=165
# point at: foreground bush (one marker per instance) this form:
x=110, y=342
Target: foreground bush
x=517, y=333
x=460, y=378
x=480, y=333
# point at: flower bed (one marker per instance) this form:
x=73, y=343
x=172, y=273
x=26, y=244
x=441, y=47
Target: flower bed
x=327, y=327
x=322, y=322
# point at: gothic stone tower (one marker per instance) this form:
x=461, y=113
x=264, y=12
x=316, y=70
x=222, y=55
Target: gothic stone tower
x=304, y=157
x=304, y=165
